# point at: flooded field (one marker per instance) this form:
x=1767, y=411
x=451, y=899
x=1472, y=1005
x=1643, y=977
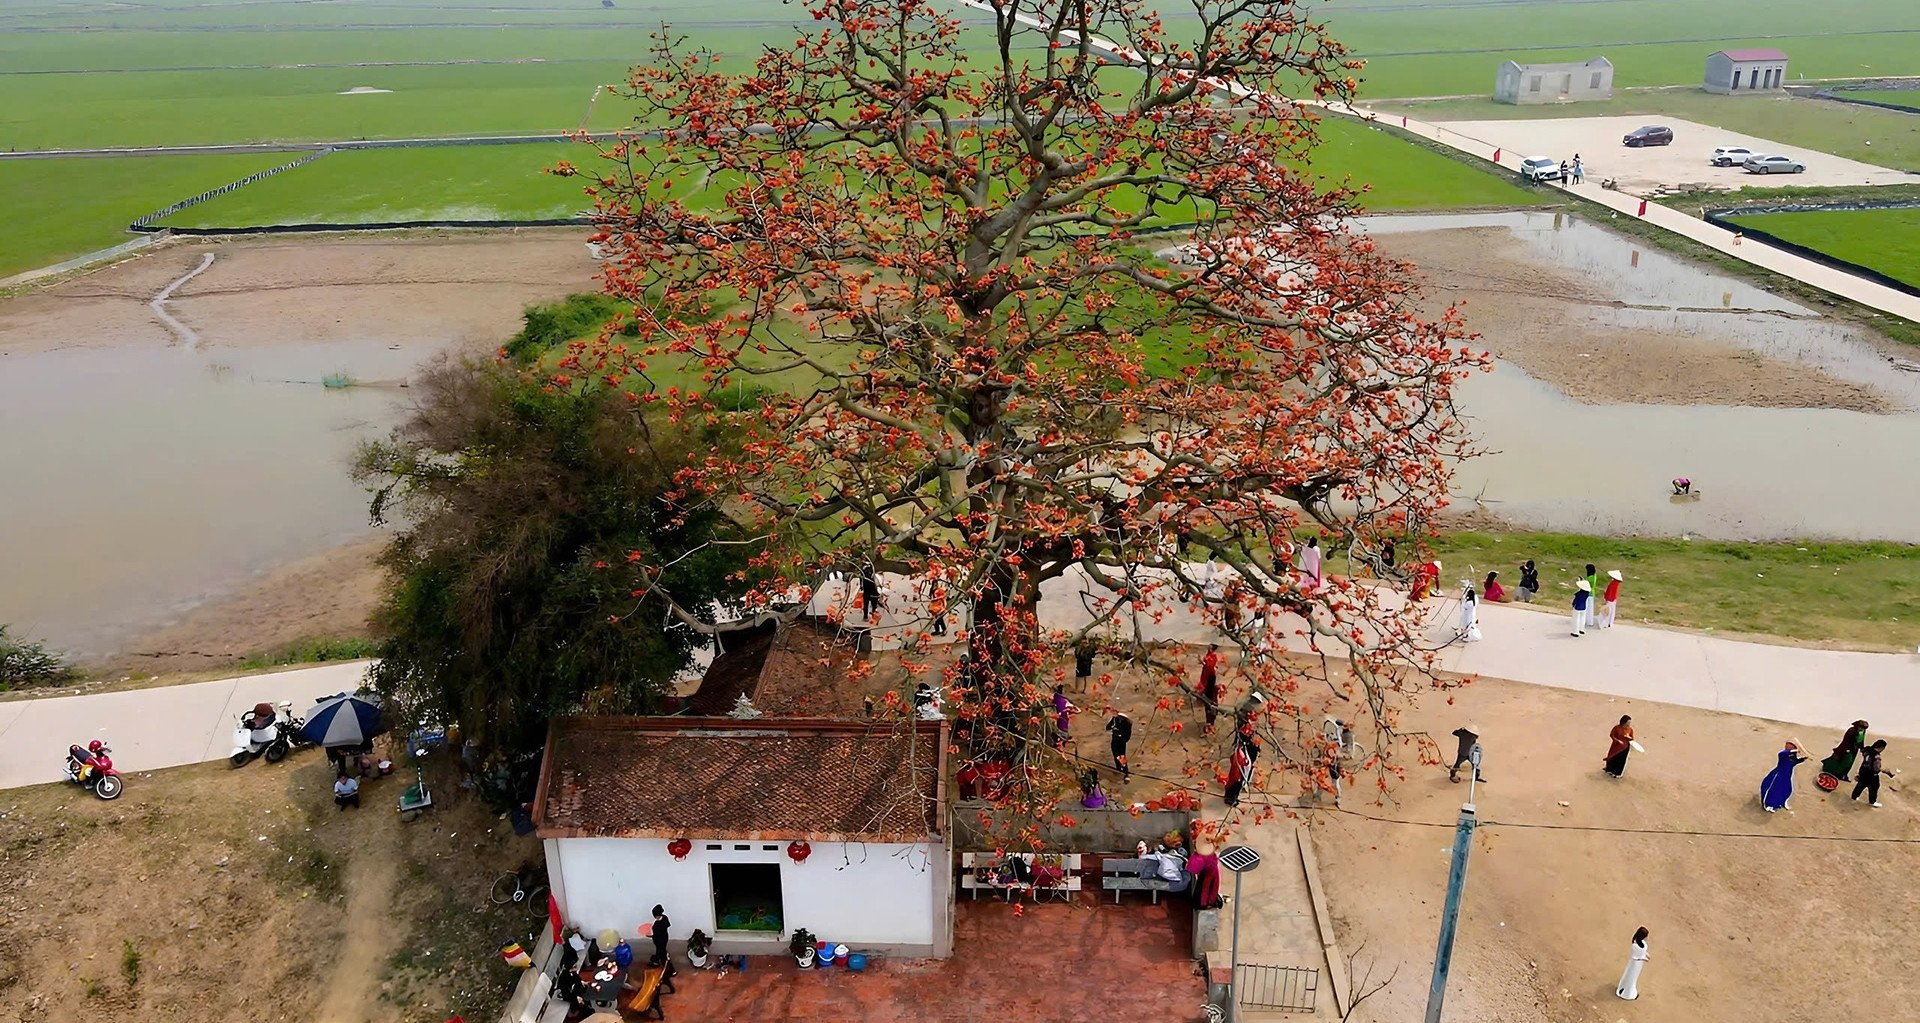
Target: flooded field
x=145, y=476
x=157, y=463
x=1558, y=463
x=156, y=478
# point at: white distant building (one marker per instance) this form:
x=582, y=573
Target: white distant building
x=1733, y=71
x=747, y=829
x=1553, y=83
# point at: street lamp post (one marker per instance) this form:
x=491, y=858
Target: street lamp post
x=1456, y=880
x=1240, y=860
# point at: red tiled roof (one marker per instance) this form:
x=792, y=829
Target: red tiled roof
x=1761, y=54
x=724, y=778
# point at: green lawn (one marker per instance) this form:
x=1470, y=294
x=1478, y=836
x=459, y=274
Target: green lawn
x=1842, y=129
x=1909, y=98
x=1852, y=594
x=56, y=209
x=1883, y=240
x=1402, y=175
x=435, y=183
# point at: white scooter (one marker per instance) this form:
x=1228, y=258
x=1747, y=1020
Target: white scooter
x=264, y=731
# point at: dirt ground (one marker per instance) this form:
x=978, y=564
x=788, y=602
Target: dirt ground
x=1551, y=325
x=1753, y=916
x=1682, y=165
x=324, y=597
x=211, y=893
x=468, y=289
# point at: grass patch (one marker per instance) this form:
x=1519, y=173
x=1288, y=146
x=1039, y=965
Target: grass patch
x=130, y=963
x=1849, y=594
x=1883, y=240
x=1892, y=97
x=58, y=209
x=505, y=182
x=315, y=651
x=1402, y=175
x=303, y=864
x=1697, y=202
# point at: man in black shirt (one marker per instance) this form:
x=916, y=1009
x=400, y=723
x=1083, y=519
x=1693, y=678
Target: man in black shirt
x=1122, y=728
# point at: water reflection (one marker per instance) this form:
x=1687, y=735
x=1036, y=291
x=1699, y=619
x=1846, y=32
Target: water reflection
x=1765, y=473
x=141, y=481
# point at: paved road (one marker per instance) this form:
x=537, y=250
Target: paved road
x=152, y=728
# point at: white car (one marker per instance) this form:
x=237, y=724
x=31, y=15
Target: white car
x=1540, y=168
x=1729, y=156
x=1772, y=165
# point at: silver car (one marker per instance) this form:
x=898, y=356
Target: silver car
x=1772, y=165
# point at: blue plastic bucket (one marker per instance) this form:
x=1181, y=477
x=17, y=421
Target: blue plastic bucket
x=856, y=961
x=823, y=954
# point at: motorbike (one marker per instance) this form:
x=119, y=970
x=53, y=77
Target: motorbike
x=267, y=731
x=96, y=774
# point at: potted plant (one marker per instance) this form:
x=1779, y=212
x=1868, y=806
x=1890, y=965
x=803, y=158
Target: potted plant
x=698, y=944
x=801, y=945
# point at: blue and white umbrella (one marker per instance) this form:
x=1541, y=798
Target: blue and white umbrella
x=341, y=721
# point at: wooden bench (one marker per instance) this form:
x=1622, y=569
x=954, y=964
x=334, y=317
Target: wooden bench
x=977, y=873
x=641, y=994
x=1119, y=876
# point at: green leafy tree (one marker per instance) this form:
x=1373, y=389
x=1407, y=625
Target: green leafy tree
x=528, y=509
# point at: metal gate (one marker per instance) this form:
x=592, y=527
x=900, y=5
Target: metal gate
x=1282, y=988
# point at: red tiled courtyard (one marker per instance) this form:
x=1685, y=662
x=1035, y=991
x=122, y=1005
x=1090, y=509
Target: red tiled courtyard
x=1084, y=960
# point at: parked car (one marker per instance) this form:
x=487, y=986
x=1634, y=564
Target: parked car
x=1729, y=156
x=1649, y=135
x=1540, y=168
x=1773, y=165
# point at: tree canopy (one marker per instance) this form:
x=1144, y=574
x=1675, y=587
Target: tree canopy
x=524, y=511
x=932, y=234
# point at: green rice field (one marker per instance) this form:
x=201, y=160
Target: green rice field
x=1909, y=98
x=1884, y=240
x=56, y=209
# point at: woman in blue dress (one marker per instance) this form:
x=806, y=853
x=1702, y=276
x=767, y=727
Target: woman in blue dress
x=1777, y=787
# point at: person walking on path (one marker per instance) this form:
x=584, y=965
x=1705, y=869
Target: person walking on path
x=1566, y=173
x=1839, y=765
x=1310, y=565
x=1062, y=716
x=1210, y=683
x=1082, y=663
x=1246, y=750
x=1579, y=171
x=1610, y=598
x=1629, y=988
x=1593, y=588
x=1777, y=787
x=1581, y=594
x=1120, y=726
x=869, y=593
x=1870, y=772
x=1529, y=582
x=1621, y=739
x=1468, y=631
x=1469, y=737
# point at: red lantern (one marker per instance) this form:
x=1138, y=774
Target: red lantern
x=799, y=851
x=679, y=847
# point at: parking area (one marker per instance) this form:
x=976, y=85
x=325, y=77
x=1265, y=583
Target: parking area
x=1680, y=166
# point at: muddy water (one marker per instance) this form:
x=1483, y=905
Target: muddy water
x=140, y=481
x=1555, y=463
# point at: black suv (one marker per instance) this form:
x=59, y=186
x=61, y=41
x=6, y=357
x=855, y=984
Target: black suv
x=1651, y=135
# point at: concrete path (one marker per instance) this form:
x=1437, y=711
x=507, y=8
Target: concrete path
x=1819, y=275
x=153, y=728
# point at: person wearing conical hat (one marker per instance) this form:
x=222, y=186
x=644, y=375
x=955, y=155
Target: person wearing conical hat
x=1582, y=598
x=1610, y=599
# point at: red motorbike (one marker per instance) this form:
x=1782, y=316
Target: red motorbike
x=91, y=767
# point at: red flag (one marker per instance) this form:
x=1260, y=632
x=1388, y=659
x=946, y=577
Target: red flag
x=1643, y=207
x=1496, y=156
x=553, y=915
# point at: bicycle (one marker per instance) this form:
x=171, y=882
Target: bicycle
x=528, y=885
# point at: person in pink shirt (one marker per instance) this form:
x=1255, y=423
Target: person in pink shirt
x=1611, y=598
